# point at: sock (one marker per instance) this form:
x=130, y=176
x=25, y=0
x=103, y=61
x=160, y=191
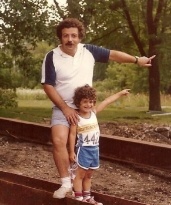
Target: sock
x=78, y=195
x=66, y=182
x=86, y=194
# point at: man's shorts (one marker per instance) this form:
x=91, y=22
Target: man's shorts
x=88, y=157
x=58, y=118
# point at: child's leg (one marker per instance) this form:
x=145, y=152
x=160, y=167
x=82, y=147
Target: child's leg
x=87, y=184
x=77, y=183
x=87, y=189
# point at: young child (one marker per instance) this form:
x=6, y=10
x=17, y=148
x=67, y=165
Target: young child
x=85, y=149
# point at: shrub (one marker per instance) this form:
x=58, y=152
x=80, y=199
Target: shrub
x=8, y=98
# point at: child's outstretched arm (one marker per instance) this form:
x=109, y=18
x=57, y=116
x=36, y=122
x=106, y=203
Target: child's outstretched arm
x=111, y=99
x=72, y=138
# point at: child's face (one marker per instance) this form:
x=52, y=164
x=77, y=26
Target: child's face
x=86, y=105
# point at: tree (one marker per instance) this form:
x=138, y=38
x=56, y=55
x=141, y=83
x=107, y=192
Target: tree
x=23, y=23
x=157, y=25
x=136, y=26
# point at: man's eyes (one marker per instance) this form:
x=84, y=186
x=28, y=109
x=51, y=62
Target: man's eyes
x=73, y=36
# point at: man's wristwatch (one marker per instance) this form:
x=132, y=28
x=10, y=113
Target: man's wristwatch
x=136, y=59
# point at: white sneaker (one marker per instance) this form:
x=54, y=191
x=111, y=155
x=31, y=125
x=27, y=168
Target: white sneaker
x=92, y=201
x=61, y=192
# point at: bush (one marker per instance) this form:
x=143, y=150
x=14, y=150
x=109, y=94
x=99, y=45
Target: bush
x=8, y=98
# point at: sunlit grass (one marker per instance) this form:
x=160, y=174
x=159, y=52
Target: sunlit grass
x=34, y=106
x=30, y=94
x=35, y=103
x=133, y=115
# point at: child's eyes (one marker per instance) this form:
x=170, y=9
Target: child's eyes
x=88, y=101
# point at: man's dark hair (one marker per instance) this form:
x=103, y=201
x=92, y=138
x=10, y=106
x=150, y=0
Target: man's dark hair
x=70, y=23
x=84, y=92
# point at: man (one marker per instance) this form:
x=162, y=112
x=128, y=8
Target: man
x=65, y=68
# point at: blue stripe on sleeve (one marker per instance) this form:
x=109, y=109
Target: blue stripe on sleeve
x=100, y=54
x=50, y=74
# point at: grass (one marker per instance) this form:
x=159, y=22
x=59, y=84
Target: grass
x=34, y=103
x=31, y=114
x=33, y=106
x=132, y=115
x=40, y=110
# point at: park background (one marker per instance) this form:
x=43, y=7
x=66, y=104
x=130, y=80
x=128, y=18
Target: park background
x=140, y=28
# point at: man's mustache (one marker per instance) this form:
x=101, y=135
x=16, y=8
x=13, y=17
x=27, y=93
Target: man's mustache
x=69, y=43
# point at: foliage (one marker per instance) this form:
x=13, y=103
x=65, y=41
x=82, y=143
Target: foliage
x=22, y=22
x=8, y=98
x=137, y=27
x=5, y=79
x=165, y=56
x=121, y=76
x=134, y=26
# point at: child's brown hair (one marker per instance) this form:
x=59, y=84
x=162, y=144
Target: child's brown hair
x=84, y=92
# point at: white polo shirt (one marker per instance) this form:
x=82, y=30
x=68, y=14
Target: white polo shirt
x=66, y=73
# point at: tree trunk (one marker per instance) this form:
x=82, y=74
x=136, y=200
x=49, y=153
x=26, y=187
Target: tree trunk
x=154, y=86
x=154, y=42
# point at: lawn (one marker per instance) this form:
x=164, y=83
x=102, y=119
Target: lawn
x=40, y=111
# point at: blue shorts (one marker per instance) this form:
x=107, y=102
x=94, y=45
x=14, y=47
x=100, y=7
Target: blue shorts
x=58, y=118
x=88, y=157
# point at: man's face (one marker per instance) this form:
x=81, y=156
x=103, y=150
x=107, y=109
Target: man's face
x=70, y=39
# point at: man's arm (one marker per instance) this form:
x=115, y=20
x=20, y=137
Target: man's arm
x=70, y=113
x=54, y=96
x=111, y=99
x=122, y=57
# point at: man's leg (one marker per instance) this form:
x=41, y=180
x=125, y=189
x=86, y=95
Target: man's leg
x=61, y=158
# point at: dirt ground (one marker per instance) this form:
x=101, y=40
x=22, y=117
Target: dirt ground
x=148, y=186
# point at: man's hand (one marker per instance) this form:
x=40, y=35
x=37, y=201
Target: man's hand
x=124, y=92
x=71, y=115
x=144, y=61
